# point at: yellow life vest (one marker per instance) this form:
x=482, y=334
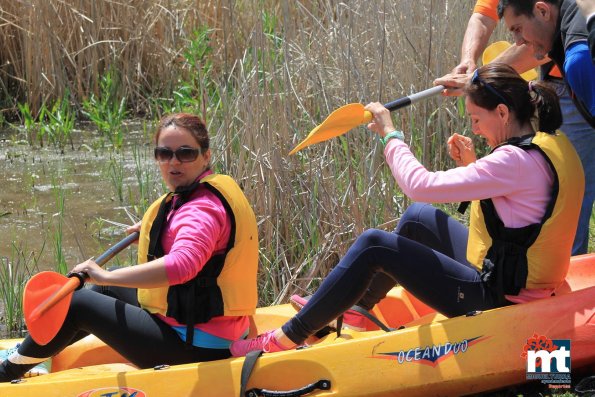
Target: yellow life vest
x=226, y=286
x=538, y=255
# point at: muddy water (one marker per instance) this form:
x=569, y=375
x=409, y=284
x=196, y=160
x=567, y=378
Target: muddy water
x=34, y=178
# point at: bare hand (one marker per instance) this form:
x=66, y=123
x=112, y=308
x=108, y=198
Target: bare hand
x=465, y=67
x=97, y=275
x=587, y=7
x=461, y=149
x=454, y=83
x=381, y=123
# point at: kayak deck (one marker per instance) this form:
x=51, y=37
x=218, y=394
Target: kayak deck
x=431, y=355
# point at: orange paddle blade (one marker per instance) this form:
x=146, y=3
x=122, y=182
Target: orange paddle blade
x=337, y=123
x=44, y=308
x=495, y=49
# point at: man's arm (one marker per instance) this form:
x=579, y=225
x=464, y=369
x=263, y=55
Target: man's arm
x=520, y=58
x=587, y=7
x=477, y=35
x=580, y=74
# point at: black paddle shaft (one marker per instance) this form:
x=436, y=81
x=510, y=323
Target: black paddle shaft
x=411, y=99
x=106, y=256
x=116, y=248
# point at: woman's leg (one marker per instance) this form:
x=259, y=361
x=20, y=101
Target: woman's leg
x=139, y=336
x=124, y=294
x=428, y=226
x=438, y=280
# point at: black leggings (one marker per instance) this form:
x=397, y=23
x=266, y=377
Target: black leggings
x=426, y=255
x=114, y=316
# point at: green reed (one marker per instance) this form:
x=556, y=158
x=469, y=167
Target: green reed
x=115, y=172
x=107, y=109
x=262, y=75
x=58, y=122
x=30, y=125
x=15, y=270
x=148, y=181
x=195, y=90
x=57, y=225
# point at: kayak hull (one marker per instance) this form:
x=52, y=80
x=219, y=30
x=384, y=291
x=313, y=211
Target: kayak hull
x=430, y=356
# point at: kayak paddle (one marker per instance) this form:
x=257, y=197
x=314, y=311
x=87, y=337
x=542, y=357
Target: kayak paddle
x=349, y=116
x=47, y=296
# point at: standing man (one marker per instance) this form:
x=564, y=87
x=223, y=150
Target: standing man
x=544, y=30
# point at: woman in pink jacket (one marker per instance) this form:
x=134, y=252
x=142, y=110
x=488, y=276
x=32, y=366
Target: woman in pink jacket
x=526, y=195
x=202, y=225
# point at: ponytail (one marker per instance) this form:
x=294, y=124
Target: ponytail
x=546, y=102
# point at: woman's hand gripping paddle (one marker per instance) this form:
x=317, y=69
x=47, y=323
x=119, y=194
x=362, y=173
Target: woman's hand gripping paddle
x=47, y=296
x=349, y=116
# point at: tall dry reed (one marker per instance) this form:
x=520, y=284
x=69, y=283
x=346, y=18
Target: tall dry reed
x=278, y=69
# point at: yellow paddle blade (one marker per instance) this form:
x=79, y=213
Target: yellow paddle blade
x=337, y=123
x=495, y=49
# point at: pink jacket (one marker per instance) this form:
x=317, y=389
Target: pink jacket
x=494, y=176
x=193, y=233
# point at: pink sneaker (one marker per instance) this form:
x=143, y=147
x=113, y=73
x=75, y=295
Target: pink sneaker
x=265, y=342
x=351, y=319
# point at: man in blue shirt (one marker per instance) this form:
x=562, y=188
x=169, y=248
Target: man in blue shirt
x=556, y=29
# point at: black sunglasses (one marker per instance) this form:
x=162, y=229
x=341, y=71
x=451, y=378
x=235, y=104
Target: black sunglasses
x=183, y=154
x=478, y=80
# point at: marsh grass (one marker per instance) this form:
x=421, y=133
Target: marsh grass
x=29, y=125
x=262, y=74
x=15, y=270
x=107, y=109
x=57, y=121
x=56, y=232
x=115, y=173
x=148, y=182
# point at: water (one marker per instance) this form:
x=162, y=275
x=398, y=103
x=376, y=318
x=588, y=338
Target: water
x=34, y=179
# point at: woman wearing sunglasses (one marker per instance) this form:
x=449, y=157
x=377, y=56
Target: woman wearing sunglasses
x=195, y=287
x=525, y=195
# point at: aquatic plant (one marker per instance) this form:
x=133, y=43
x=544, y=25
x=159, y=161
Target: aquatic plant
x=56, y=232
x=15, y=270
x=196, y=90
x=262, y=75
x=58, y=123
x=107, y=109
x=115, y=171
x=148, y=181
x=29, y=123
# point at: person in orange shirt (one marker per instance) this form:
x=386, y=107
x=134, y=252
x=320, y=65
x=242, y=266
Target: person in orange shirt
x=480, y=27
x=481, y=24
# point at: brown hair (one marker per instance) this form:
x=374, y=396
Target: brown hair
x=521, y=7
x=190, y=122
x=522, y=99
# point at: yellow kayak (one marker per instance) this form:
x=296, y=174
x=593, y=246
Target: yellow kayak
x=429, y=356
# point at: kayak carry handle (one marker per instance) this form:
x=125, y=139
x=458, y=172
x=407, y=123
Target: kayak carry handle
x=322, y=384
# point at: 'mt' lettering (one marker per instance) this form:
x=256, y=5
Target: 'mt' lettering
x=546, y=360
